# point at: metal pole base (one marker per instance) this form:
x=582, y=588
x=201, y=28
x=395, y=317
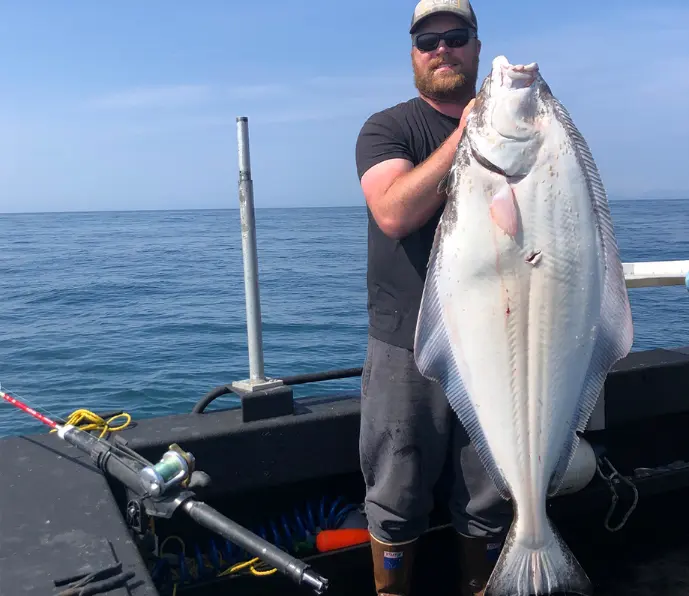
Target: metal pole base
x=251, y=385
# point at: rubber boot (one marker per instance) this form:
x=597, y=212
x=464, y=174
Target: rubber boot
x=477, y=560
x=392, y=567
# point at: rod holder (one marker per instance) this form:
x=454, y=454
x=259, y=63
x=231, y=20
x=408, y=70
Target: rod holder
x=256, y=378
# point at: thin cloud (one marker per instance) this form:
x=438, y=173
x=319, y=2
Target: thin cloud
x=359, y=82
x=311, y=90
x=153, y=97
x=327, y=98
x=310, y=99
x=344, y=108
x=184, y=96
x=258, y=91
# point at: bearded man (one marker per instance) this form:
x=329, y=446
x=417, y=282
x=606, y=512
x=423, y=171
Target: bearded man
x=408, y=429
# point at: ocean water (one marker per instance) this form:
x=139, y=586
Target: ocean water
x=145, y=311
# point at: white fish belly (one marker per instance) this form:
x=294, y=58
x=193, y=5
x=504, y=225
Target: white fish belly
x=522, y=335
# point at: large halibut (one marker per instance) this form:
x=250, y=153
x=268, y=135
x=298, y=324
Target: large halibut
x=524, y=309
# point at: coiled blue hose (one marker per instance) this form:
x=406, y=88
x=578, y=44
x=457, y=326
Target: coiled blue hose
x=295, y=533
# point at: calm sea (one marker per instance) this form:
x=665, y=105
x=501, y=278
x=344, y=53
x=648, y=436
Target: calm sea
x=145, y=310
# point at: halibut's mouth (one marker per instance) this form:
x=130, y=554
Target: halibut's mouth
x=517, y=76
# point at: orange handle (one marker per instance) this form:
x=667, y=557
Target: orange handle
x=328, y=540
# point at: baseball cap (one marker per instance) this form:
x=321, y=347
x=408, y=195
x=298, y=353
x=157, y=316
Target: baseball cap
x=426, y=8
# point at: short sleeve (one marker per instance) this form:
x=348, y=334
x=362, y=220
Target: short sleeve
x=381, y=138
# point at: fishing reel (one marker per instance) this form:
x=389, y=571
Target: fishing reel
x=162, y=488
x=175, y=467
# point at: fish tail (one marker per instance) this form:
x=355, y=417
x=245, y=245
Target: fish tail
x=548, y=567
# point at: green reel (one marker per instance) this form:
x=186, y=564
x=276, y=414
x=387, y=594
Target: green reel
x=174, y=468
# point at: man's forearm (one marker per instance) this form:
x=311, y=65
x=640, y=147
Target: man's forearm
x=413, y=198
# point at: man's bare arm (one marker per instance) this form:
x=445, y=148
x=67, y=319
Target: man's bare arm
x=401, y=197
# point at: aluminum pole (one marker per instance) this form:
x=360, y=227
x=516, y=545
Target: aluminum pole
x=248, y=223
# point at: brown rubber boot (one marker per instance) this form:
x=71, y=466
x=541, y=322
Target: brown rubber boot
x=477, y=560
x=392, y=566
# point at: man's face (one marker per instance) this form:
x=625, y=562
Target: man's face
x=446, y=74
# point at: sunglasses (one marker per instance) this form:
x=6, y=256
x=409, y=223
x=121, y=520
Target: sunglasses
x=455, y=38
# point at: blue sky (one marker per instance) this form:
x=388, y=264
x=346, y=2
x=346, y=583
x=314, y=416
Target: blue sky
x=129, y=104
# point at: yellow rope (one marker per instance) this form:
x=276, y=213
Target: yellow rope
x=86, y=420
x=252, y=564
x=259, y=573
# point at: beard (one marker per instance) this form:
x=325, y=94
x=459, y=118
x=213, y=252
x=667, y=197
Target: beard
x=446, y=86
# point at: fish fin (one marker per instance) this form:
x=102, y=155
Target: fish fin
x=435, y=360
x=615, y=332
x=444, y=184
x=447, y=182
x=524, y=570
x=503, y=210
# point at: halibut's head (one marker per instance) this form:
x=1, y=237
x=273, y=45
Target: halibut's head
x=505, y=126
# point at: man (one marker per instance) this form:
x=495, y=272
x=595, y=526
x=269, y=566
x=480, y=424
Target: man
x=407, y=426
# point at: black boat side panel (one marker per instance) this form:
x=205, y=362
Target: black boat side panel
x=58, y=519
x=320, y=440
x=647, y=384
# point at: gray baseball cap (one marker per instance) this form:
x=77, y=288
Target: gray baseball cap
x=426, y=8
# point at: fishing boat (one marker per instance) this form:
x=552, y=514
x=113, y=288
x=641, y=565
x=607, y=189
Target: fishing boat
x=265, y=498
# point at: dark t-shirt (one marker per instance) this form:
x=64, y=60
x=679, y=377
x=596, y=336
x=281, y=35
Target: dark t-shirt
x=397, y=268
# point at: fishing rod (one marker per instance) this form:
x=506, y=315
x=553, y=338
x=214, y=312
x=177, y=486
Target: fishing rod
x=164, y=487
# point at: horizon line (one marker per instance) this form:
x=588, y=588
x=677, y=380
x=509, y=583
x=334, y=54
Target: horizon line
x=174, y=210
x=273, y=207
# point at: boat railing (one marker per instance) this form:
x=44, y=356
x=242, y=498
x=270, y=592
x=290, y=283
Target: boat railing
x=637, y=275
x=646, y=274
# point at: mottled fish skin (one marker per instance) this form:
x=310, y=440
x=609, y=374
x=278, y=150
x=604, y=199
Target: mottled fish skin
x=525, y=309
